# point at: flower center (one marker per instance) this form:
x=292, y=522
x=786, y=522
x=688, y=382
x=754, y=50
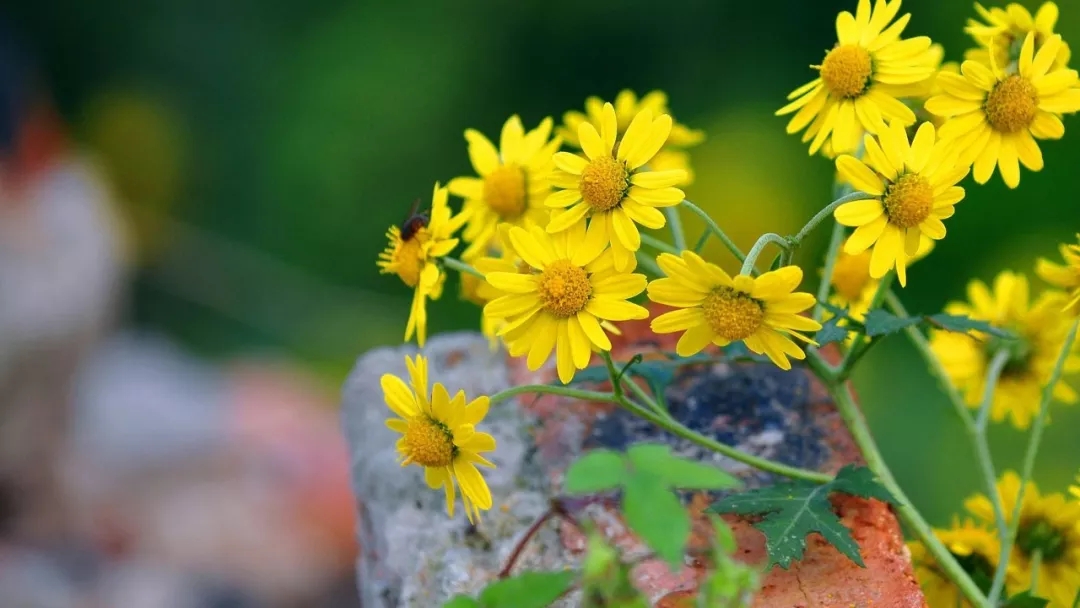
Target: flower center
x=410, y=258
x=846, y=70
x=1039, y=535
x=1012, y=105
x=604, y=183
x=564, y=288
x=851, y=275
x=733, y=315
x=504, y=191
x=1019, y=350
x=429, y=442
x=909, y=200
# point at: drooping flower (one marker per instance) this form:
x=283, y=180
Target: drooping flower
x=1040, y=330
x=1049, y=525
x=862, y=79
x=438, y=432
x=976, y=548
x=559, y=304
x=914, y=188
x=411, y=254
x=1065, y=276
x=627, y=105
x=716, y=308
x=994, y=115
x=1004, y=31
x=512, y=183
x=613, y=186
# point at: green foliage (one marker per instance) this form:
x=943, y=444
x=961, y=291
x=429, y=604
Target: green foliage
x=831, y=331
x=461, y=601
x=1025, y=600
x=526, y=590
x=961, y=323
x=792, y=510
x=730, y=583
x=647, y=475
x=606, y=580
x=881, y=323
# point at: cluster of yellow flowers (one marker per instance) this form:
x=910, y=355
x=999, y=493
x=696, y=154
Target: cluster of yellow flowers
x=1049, y=528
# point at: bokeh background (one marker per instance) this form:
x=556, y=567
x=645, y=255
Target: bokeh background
x=250, y=156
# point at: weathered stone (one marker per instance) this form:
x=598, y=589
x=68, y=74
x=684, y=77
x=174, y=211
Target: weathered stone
x=413, y=555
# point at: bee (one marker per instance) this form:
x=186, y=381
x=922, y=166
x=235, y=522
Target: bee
x=414, y=222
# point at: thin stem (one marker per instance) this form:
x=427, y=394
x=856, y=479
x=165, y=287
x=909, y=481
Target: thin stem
x=704, y=238
x=982, y=447
x=460, y=266
x=675, y=224
x=548, y=389
x=730, y=244
x=997, y=364
x=762, y=242
x=524, y=540
x=1029, y=459
x=649, y=264
x=859, y=347
x=649, y=401
x=825, y=212
x=826, y=274
x=860, y=431
x=1036, y=563
x=658, y=245
x=616, y=385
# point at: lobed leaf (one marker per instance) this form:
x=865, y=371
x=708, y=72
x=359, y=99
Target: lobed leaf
x=830, y=332
x=658, y=460
x=881, y=323
x=597, y=471
x=963, y=324
x=655, y=514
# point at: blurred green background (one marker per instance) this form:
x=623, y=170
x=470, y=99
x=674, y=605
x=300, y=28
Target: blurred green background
x=262, y=148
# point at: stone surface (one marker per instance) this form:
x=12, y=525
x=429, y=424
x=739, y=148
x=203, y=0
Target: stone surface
x=413, y=555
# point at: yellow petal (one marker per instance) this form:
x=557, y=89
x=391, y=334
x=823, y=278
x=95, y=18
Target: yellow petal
x=573, y=164
x=591, y=326
x=857, y=213
x=625, y=230
x=472, y=484
x=484, y=156
x=694, y=340
x=399, y=398
x=858, y=175
x=512, y=282
x=677, y=320
x=777, y=283
x=921, y=147
x=591, y=143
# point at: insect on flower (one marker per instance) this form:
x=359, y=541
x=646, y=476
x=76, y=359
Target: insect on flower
x=414, y=222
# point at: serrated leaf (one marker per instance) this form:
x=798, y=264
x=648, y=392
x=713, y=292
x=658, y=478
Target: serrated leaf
x=963, y=324
x=658, y=460
x=861, y=482
x=792, y=510
x=655, y=514
x=597, y=471
x=461, y=601
x=836, y=310
x=831, y=332
x=880, y=323
x=1025, y=600
x=526, y=590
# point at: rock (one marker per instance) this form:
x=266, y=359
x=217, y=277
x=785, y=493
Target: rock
x=413, y=555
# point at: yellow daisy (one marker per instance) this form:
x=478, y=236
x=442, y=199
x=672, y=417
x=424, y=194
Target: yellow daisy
x=1049, y=524
x=1040, y=331
x=612, y=186
x=411, y=255
x=1004, y=31
x=852, y=286
x=861, y=79
x=914, y=186
x=975, y=547
x=718, y=309
x=560, y=304
x=1075, y=490
x=627, y=106
x=438, y=432
x=1066, y=276
x=994, y=115
x=513, y=181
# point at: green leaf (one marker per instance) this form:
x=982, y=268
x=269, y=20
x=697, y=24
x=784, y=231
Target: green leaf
x=880, y=323
x=594, y=374
x=1025, y=600
x=527, y=590
x=836, y=310
x=792, y=510
x=677, y=472
x=597, y=471
x=831, y=332
x=656, y=374
x=960, y=323
x=461, y=601
x=655, y=514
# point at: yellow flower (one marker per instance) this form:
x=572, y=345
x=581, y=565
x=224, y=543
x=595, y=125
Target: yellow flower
x=560, y=304
x=1040, y=329
x=718, y=309
x=1049, y=524
x=862, y=79
x=1004, y=31
x=993, y=116
x=513, y=181
x=612, y=186
x=1066, y=276
x=852, y=286
x=975, y=547
x=914, y=189
x=411, y=256
x=439, y=433
x=1075, y=490
x=627, y=106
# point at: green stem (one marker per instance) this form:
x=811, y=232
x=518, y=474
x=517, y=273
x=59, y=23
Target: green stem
x=704, y=238
x=1036, y=563
x=675, y=224
x=826, y=274
x=668, y=424
x=658, y=245
x=762, y=242
x=649, y=401
x=859, y=347
x=977, y=436
x=860, y=431
x=712, y=226
x=1029, y=460
x=648, y=264
x=826, y=212
x=997, y=364
x=460, y=266
x=616, y=385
